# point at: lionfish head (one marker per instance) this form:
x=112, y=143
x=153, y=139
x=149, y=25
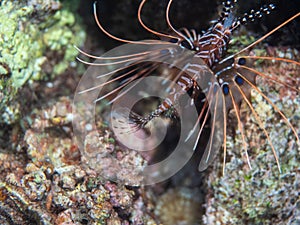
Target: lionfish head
x=212, y=45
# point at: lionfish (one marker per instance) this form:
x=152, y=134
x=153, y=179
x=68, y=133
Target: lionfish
x=199, y=54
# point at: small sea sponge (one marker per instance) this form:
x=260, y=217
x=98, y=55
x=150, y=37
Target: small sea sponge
x=180, y=206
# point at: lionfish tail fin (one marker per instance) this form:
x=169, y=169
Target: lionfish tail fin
x=125, y=121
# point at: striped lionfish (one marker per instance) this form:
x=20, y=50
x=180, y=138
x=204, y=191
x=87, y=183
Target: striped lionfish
x=234, y=74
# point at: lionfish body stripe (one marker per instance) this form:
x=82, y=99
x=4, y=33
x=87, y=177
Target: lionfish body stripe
x=234, y=73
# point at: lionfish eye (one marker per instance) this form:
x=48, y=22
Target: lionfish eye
x=242, y=61
x=225, y=88
x=239, y=80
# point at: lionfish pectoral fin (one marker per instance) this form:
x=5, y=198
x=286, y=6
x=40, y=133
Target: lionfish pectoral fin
x=224, y=134
x=260, y=124
x=240, y=128
x=217, y=127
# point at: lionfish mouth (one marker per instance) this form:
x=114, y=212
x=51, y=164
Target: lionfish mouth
x=195, y=72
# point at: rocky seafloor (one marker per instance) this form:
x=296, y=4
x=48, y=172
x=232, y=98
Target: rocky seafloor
x=45, y=179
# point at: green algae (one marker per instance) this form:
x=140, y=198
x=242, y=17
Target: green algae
x=33, y=35
x=238, y=41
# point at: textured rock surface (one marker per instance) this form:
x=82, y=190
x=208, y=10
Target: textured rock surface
x=45, y=180
x=37, y=39
x=261, y=195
